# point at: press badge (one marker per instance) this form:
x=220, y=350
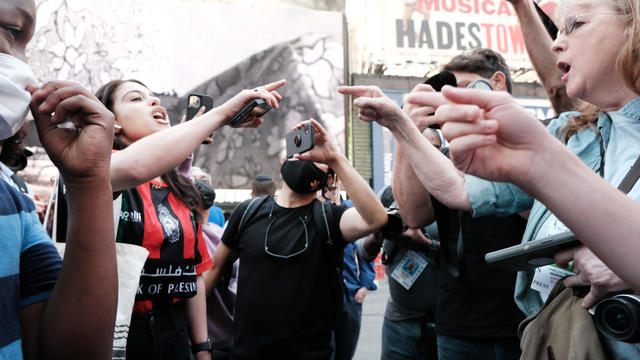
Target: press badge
x=546, y=277
x=409, y=268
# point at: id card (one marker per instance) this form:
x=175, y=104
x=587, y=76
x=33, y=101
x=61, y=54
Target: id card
x=546, y=277
x=409, y=268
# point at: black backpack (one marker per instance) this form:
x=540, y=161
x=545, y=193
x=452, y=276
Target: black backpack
x=321, y=216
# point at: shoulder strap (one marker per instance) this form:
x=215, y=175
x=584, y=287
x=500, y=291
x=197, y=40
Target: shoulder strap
x=251, y=207
x=22, y=186
x=321, y=216
x=631, y=178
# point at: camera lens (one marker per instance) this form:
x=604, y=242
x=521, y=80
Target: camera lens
x=619, y=318
x=194, y=101
x=297, y=140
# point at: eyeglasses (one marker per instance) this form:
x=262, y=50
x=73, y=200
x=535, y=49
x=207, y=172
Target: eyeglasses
x=294, y=249
x=573, y=21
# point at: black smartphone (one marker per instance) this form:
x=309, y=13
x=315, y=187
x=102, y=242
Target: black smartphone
x=300, y=140
x=195, y=102
x=257, y=108
x=439, y=80
x=532, y=254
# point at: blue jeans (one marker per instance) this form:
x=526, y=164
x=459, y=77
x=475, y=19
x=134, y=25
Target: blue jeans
x=405, y=340
x=454, y=348
x=345, y=337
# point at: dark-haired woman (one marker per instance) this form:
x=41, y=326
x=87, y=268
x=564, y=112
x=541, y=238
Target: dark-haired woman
x=161, y=215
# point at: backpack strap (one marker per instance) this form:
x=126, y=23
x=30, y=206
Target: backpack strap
x=321, y=216
x=250, y=207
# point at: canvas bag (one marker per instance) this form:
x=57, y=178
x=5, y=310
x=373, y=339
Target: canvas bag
x=561, y=329
x=130, y=259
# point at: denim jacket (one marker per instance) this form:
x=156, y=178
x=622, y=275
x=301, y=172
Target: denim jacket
x=494, y=198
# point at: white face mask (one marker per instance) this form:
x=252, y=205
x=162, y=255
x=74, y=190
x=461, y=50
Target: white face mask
x=15, y=75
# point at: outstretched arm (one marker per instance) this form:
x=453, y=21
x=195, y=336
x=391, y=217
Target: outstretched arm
x=149, y=157
x=430, y=167
x=78, y=319
x=367, y=214
x=495, y=138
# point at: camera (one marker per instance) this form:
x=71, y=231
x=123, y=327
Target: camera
x=395, y=225
x=618, y=317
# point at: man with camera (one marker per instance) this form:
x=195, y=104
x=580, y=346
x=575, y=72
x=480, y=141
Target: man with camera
x=411, y=259
x=358, y=275
x=289, y=288
x=476, y=316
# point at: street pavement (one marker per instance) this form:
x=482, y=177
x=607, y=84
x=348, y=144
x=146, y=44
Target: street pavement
x=369, y=344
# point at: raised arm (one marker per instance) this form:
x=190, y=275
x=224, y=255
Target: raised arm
x=495, y=138
x=538, y=43
x=430, y=167
x=78, y=319
x=367, y=214
x=148, y=157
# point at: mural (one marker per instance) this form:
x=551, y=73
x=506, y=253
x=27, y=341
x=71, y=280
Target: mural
x=177, y=47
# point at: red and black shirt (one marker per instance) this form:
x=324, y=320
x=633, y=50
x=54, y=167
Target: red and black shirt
x=153, y=217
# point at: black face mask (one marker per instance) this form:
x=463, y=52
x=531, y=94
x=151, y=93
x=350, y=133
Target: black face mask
x=303, y=176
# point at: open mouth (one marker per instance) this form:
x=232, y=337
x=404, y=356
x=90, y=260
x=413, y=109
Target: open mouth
x=564, y=67
x=160, y=115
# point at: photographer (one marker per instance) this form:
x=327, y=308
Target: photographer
x=289, y=246
x=409, y=317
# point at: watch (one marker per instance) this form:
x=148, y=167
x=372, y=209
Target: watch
x=205, y=345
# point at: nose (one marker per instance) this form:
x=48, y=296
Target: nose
x=154, y=101
x=559, y=44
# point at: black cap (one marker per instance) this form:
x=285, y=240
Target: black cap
x=262, y=177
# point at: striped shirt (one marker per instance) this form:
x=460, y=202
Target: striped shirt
x=29, y=265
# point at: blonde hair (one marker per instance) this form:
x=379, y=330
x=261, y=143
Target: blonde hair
x=627, y=63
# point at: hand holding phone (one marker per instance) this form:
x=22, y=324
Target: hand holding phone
x=195, y=102
x=300, y=140
x=255, y=109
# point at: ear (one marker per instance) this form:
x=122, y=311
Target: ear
x=499, y=81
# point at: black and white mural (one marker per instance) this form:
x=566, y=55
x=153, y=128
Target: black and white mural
x=177, y=47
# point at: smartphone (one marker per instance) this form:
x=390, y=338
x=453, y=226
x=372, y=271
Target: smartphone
x=300, y=140
x=439, y=80
x=257, y=108
x=532, y=254
x=195, y=102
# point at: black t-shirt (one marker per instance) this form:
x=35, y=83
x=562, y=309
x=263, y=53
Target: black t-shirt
x=283, y=306
x=480, y=304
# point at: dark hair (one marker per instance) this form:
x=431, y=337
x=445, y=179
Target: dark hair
x=262, y=187
x=207, y=193
x=12, y=153
x=179, y=185
x=481, y=61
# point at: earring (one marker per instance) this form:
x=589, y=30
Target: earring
x=117, y=126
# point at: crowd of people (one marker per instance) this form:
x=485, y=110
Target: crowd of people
x=285, y=276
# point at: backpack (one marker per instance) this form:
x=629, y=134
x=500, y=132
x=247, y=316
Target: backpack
x=321, y=214
x=561, y=329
